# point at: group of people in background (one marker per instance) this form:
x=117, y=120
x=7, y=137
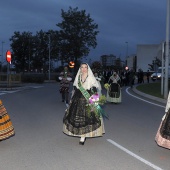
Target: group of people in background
x=129, y=76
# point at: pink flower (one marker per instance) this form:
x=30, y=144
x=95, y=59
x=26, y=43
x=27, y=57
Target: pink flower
x=94, y=98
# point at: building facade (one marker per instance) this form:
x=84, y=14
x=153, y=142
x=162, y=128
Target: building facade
x=146, y=53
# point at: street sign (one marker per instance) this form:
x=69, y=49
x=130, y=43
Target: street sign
x=8, y=56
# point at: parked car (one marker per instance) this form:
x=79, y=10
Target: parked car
x=157, y=75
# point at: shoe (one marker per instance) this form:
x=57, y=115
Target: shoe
x=82, y=141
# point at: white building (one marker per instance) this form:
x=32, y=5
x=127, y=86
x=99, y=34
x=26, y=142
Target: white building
x=146, y=54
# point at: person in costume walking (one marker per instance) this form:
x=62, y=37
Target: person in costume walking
x=162, y=137
x=83, y=116
x=6, y=127
x=114, y=89
x=65, y=79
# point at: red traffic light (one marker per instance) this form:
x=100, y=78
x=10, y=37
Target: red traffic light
x=8, y=56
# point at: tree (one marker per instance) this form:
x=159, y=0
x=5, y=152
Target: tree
x=96, y=66
x=32, y=52
x=21, y=50
x=155, y=64
x=77, y=34
x=40, y=56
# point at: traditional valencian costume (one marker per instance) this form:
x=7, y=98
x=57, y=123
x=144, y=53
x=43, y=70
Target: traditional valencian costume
x=79, y=119
x=114, y=90
x=163, y=134
x=6, y=128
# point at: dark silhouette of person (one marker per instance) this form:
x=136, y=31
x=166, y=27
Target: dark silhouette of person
x=148, y=76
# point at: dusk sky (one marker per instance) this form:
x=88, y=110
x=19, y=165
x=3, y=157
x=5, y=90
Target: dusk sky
x=119, y=21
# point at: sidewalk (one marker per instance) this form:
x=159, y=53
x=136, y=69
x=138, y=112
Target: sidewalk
x=164, y=101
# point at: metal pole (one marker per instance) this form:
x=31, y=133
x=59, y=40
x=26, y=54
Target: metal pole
x=126, y=50
x=2, y=55
x=167, y=51
x=49, y=54
x=162, y=70
x=29, y=55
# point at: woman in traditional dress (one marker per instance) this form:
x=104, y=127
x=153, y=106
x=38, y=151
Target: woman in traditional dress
x=79, y=120
x=6, y=128
x=114, y=90
x=163, y=134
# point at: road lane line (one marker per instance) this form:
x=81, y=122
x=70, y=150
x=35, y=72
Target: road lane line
x=143, y=99
x=14, y=91
x=134, y=155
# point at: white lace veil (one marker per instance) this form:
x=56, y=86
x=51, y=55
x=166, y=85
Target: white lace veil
x=90, y=81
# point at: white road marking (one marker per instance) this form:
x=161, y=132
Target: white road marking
x=134, y=155
x=36, y=87
x=144, y=100
x=10, y=91
x=14, y=91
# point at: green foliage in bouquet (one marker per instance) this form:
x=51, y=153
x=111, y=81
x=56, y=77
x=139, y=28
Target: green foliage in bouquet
x=95, y=107
x=102, y=100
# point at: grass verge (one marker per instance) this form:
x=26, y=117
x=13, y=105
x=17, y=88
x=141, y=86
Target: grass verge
x=153, y=89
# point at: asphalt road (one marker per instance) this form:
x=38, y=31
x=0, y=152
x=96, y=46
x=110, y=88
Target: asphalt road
x=39, y=143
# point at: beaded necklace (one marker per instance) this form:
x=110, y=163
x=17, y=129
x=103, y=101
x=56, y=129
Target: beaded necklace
x=84, y=79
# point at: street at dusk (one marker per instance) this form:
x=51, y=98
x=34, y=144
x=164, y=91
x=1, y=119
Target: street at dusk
x=39, y=143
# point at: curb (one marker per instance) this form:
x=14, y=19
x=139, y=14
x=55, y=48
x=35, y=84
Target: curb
x=164, y=101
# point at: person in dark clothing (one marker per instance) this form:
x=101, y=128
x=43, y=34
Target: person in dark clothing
x=65, y=78
x=131, y=78
x=147, y=76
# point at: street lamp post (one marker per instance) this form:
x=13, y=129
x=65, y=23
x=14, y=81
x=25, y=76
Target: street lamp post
x=49, y=38
x=2, y=55
x=166, y=91
x=126, y=50
x=29, y=55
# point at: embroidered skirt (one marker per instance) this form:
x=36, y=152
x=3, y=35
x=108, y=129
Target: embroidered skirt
x=163, y=134
x=77, y=122
x=114, y=93
x=6, y=128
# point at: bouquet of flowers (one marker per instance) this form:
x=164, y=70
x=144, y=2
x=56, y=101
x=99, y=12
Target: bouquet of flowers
x=94, y=104
x=106, y=86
